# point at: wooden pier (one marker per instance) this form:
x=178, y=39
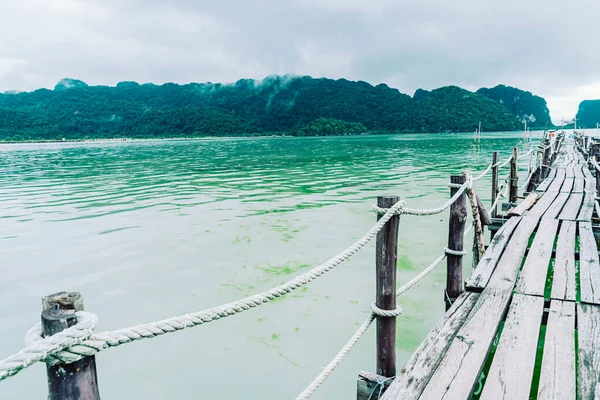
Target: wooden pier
x=525, y=324
x=528, y=322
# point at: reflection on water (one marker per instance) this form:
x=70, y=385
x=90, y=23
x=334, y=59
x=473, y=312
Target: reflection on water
x=147, y=230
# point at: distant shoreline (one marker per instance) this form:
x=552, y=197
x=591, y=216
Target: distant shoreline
x=249, y=136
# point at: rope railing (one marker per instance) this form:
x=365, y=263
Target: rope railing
x=501, y=195
x=527, y=181
x=79, y=341
x=505, y=162
x=432, y=211
x=335, y=362
x=68, y=352
x=526, y=154
x=58, y=349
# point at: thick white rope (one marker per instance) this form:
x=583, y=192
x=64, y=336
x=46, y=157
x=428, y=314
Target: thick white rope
x=526, y=154
x=39, y=348
x=505, y=162
x=314, y=385
x=432, y=211
x=333, y=364
x=68, y=351
x=527, y=181
x=501, y=195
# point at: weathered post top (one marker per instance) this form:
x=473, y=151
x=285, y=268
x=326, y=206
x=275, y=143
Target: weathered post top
x=78, y=380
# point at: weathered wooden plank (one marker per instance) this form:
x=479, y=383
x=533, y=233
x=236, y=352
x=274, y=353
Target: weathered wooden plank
x=557, y=205
x=578, y=185
x=567, y=186
x=589, y=266
x=557, y=182
x=578, y=182
x=487, y=264
x=535, y=269
x=586, y=172
x=587, y=208
x=368, y=383
x=543, y=186
x=459, y=370
x=590, y=185
x=525, y=205
x=588, y=364
x=563, y=284
x=571, y=209
x=512, y=369
x=415, y=375
x=570, y=170
x=557, y=377
x=542, y=204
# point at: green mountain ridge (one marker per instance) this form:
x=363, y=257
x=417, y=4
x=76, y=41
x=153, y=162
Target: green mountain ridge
x=297, y=105
x=524, y=105
x=588, y=114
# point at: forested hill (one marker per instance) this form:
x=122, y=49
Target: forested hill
x=589, y=113
x=277, y=104
x=524, y=105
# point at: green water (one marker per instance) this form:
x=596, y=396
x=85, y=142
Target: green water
x=149, y=230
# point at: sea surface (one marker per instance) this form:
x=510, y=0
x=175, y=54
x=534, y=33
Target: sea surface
x=147, y=230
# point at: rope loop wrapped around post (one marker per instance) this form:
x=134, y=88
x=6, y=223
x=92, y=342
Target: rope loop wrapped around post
x=385, y=313
x=455, y=252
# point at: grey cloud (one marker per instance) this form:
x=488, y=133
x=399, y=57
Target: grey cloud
x=546, y=47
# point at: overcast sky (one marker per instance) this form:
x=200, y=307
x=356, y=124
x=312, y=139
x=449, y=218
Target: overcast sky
x=549, y=47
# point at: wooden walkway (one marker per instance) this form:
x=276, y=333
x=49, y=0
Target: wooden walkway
x=533, y=300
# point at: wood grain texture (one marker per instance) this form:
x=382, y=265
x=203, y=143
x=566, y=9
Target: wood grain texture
x=572, y=207
x=557, y=182
x=563, y=284
x=588, y=363
x=557, y=205
x=386, y=264
x=542, y=204
x=456, y=229
x=535, y=269
x=567, y=185
x=570, y=171
x=589, y=185
x=557, y=377
x=512, y=369
x=462, y=365
x=415, y=375
x=487, y=264
x=367, y=386
x=578, y=182
x=78, y=380
x=525, y=205
x=460, y=368
x=587, y=208
x=589, y=267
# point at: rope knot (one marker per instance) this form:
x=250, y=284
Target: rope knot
x=385, y=313
x=455, y=252
x=396, y=208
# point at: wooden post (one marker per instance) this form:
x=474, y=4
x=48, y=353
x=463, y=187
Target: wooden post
x=494, y=183
x=386, y=259
x=514, y=176
x=586, y=142
x=456, y=230
x=78, y=380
